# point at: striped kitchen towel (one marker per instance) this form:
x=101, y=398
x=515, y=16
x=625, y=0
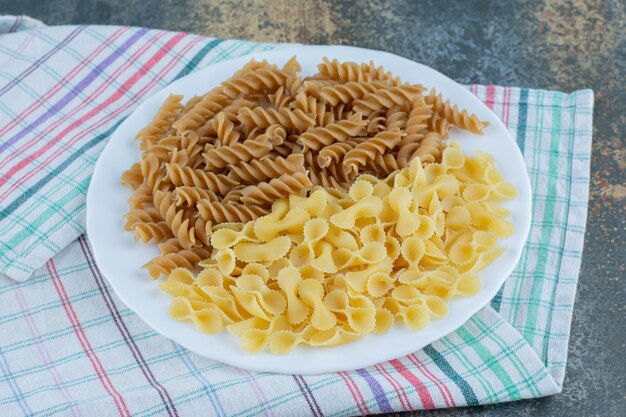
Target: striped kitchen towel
x=68, y=346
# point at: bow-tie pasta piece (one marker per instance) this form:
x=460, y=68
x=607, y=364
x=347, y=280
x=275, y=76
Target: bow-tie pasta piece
x=225, y=301
x=254, y=333
x=313, y=231
x=412, y=250
x=289, y=280
x=361, y=316
x=373, y=233
x=332, y=337
x=435, y=212
x=370, y=253
x=256, y=269
x=271, y=301
x=452, y=158
x=263, y=251
x=225, y=260
x=458, y=218
x=206, y=316
x=379, y=284
x=360, y=190
x=401, y=200
x=367, y=207
x=357, y=280
x=284, y=341
x=270, y=226
x=180, y=283
x=384, y=321
x=315, y=203
x=323, y=258
x=341, y=239
x=476, y=192
x=392, y=246
x=227, y=238
x=312, y=293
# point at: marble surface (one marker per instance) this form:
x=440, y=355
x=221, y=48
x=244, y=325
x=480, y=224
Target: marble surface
x=553, y=44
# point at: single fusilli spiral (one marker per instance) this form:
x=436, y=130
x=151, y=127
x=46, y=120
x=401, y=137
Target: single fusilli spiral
x=151, y=170
x=314, y=107
x=428, y=149
x=161, y=123
x=334, y=153
x=274, y=134
x=348, y=92
x=142, y=215
x=314, y=87
x=417, y=121
x=164, y=264
x=343, y=71
x=226, y=155
x=189, y=196
x=287, y=148
x=339, y=131
x=182, y=175
x=263, y=79
x=334, y=175
x=175, y=218
x=208, y=130
x=454, y=116
x=217, y=212
x=133, y=177
x=279, y=98
x=234, y=195
x=438, y=124
x=374, y=73
x=382, y=165
x=204, y=230
x=158, y=231
x=266, y=193
x=292, y=66
x=290, y=119
x=367, y=150
x=263, y=169
x=141, y=195
x=205, y=109
x=397, y=117
x=387, y=98
x=225, y=130
x=376, y=121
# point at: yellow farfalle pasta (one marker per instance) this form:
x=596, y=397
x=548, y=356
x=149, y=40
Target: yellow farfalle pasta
x=269, y=133
x=330, y=267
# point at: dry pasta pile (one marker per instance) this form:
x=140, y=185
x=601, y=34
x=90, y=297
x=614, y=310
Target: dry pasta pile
x=331, y=267
x=267, y=133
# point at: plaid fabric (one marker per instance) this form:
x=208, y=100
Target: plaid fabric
x=69, y=346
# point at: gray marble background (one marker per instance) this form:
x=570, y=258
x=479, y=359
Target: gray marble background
x=554, y=44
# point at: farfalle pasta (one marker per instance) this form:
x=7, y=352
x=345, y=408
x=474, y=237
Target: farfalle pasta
x=330, y=267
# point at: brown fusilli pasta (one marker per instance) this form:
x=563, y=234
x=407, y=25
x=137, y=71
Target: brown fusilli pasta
x=182, y=175
x=454, y=116
x=226, y=155
x=268, y=133
x=265, y=193
x=335, y=132
x=229, y=212
x=386, y=98
x=161, y=123
x=266, y=168
x=379, y=144
x=290, y=119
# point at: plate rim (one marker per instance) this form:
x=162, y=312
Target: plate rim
x=123, y=296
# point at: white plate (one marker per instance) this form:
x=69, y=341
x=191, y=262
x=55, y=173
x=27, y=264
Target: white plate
x=120, y=258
